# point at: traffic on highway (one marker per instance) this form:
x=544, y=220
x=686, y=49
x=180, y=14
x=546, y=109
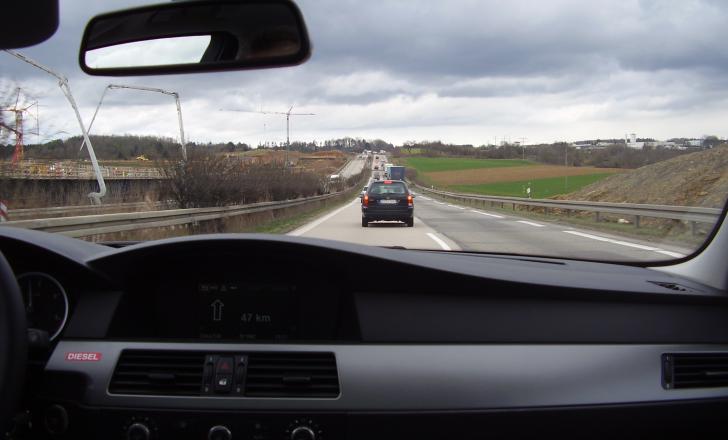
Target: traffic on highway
x=446, y=225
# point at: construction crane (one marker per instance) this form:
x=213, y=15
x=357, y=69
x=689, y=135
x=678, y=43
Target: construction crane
x=145, y=89
x=18, y=129
x=66, y=89
x=287, y=114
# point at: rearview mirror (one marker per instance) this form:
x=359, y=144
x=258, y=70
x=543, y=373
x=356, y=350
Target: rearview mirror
x=195, y=36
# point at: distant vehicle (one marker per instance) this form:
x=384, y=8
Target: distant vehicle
x=386, y=170
x=376, y=167
x=396, y=173
x=376, y=157
x=335, y=177
x=387, y=200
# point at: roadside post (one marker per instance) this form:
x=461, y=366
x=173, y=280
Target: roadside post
x=3, y=211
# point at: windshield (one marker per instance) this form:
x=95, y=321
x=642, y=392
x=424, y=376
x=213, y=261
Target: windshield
x=388, y=187
x=588, y=130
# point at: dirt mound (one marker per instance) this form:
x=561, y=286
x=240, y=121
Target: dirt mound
x=697, y=179
x=331, y=153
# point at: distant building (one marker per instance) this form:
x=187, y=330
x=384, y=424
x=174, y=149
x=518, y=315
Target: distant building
x=631, y=140
x=664, y=144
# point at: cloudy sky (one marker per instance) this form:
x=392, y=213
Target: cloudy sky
x=461, y=72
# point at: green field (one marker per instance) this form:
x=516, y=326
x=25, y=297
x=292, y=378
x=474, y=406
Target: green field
x=431, y=164
x=540, y=188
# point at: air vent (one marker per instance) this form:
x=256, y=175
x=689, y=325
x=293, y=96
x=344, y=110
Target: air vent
x=158, y=373
x=674, y=286
x=694, y=370
x=292, y=375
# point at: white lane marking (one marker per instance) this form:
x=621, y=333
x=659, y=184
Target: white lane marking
x=671, y=254
x=303, y=229
x=485, y=213
x=439, y=241
x=628, y=244
x=609, y=240
x=439, y=203
x=424, y=198
x=453, y=206
x=538, y=225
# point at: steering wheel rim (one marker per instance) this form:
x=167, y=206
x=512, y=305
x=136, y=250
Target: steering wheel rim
x=13, y=343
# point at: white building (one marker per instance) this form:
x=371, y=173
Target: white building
x=631, y=140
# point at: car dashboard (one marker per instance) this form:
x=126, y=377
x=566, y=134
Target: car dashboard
x=272, y=337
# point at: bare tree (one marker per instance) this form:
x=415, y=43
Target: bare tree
x=207, y=178
x=7, y=99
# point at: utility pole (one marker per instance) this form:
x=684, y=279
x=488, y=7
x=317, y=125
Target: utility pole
x=145, y=89
x=566, y=164
x=66, y=89
x=288, y=115
x=523, y=144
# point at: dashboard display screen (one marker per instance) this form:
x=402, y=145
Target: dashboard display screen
x=238, y=310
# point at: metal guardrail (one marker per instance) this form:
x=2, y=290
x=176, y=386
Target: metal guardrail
x=86, y=225
x=686, y=213
x=67, y=211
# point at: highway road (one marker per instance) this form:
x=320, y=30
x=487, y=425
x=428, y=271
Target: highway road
x=353, y=167
x=447, y=226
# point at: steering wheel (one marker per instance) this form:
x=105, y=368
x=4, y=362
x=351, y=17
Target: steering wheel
x=13, y=343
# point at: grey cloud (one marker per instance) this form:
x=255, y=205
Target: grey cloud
x=413, y=61
x=518, y=37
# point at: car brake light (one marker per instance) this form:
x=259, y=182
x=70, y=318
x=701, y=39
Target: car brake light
x=409, y=199
x=387, y=181
x=366, y=200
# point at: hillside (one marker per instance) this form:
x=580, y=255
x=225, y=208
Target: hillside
x=696, y=179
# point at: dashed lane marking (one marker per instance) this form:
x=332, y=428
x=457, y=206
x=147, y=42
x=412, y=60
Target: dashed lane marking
x=485, y=213
x=439, y=241
x=538, y=225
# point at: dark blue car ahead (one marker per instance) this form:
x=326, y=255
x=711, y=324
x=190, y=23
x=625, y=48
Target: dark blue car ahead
x=387, y=200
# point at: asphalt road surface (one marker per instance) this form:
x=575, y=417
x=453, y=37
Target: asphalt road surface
x=448, y=226
x=344, y=224
x=352, y=168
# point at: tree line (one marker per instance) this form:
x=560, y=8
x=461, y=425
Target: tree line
x=558, y=153
x=129, y=147
x=124, y=147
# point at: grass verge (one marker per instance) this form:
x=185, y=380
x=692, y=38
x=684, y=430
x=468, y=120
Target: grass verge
x=288, y=224
x=540, y=188
x=295, y=220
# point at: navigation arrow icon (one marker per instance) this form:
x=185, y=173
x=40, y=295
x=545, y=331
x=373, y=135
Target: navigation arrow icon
x=217, y=306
